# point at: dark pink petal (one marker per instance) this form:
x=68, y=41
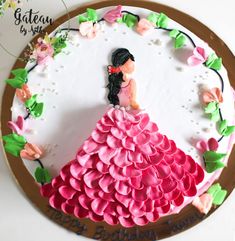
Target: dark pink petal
x=65, y=173
x=67, y=208
x=163, y=170
x=56, y=200
x=96, y=218
x=180, y=157
x=168, y=185
x=179, y=201
x=91, y=178
x=111, y=208
x=67, y=192
x=57, y=182
x=165, y=144
x=106, y=121
x=135, y=182
x=177, y=171
x=172, y=195
x=98, y=206
x=47, y=190
x=172, y=149
x=106, y=183
x=202, y=146
x=118, y=115
x=160, y=202
x=149, y=177
x=164, y=209
x=122, y=187
x=151, y=127
x=135, y=157
x=148, y=149
x=144, y=121
x=85, y=201
x=74, y=201
x=134, y=131
x=106, y=153
x=169, y=159
x=80, y=212
x=199, y=175
x=148, y=206
x=139, y=195
x=190, y=165
x=157, y=157
x=192, y=191
x=213, y=144
x=185, y=183
x=85, y=160
x=155, y=193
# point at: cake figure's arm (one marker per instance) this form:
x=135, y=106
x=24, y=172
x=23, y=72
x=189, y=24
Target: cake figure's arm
x=133, y=103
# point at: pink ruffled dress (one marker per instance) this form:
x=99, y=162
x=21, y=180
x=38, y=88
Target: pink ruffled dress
x=125, y=173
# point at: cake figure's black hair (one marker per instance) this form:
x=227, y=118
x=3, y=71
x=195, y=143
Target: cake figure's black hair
x=119, y=57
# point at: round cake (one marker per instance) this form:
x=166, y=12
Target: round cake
x=124, y=117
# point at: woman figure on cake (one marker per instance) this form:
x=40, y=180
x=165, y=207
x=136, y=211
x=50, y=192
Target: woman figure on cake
x=126, y=172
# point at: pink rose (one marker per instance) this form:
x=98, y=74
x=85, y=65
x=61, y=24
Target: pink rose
x=31, y=152
x=87, y=29
x=144, y=26
x=199, y=57
x=203, y=203
x=211, y=95
x=112, y=15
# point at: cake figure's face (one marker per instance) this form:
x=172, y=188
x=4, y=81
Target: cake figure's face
x=128, y=67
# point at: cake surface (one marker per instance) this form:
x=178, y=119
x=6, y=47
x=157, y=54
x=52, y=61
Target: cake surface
x=73, y=89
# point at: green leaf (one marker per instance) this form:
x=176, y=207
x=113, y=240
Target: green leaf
x=119, y=20
x=82, y=19
x=129, y=20
x=229, y=130
x=220, y=196
x=20, y=78
x=215, y=116
x=162, y=21
x=213, y=161
x=213, y=62
x=217, y=194
x=92, y=15
x=180, y=41
x=42, y=175
x=214, y=189
x=153, y=17
x=211, y=107
x=224, y=129
x=173, y=33
x=34, y=107
x=223, y=126
x=59, y=44
x=14, y=144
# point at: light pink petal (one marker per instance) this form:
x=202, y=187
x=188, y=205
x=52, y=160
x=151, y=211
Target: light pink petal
x=75, y=184
x=106, y=153
x=149, y=177
x=99, y=136
x=113, y=142
x=76, y=170
x=131, y=171
x=163, y=170
x=102, y=127
x=91, y=192
x=126, y=222
x=102, y=167
x=123, y=211
x=91, y=146
x=121, y=158
x=116, y=132
x=106, y=196
x=128, y=144
x=202, y=146
x=194, y=61
x=123, y=199
x=122, y=187
x=85, y=201
x=117, y=173
x=141, y=221
x=135, y=208
x=142, y=138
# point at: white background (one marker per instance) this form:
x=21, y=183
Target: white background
x=19, y=220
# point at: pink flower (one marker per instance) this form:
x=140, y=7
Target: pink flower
x=214, y=94
x=19, y=126
x=210, y=145
x=199, y=57
x=43, y=52
x=203, y=203
x=23, y=94
x=144, y=26
x=31, y=152
x=88, y=29
x=112, y=15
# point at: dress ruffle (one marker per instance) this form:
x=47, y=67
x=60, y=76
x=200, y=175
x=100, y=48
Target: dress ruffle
x=125, y=173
